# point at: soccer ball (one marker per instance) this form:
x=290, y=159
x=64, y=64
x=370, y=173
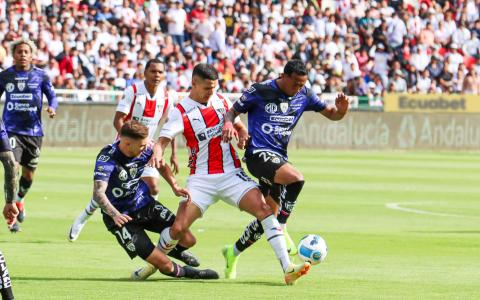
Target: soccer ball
x=313, y=249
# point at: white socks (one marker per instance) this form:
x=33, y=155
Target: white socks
x=166, y=243
x=274, y=235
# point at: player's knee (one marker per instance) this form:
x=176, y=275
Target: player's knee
x=264, y=210
x=178, y=231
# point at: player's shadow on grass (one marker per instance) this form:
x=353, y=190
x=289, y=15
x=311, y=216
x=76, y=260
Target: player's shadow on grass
x=221, y=281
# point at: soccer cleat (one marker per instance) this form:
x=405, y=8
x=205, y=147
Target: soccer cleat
x=230, y=262
x=144, y=272
x=15, y=228
x=193, y=273
x=293, y=272
x=189, y=259
x=76, y=228
x=291, y=247
x=21, y=211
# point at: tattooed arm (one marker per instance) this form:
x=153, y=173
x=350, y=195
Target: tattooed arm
x=10, y=210
x=99, y=188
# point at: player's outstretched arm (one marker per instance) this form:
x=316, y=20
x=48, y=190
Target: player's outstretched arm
x=99, y=188
x=228, y=131
x=339, y=110
x=157, y=160
x=10, y=210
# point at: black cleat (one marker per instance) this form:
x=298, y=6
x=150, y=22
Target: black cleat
x=193, y=273
x=189, y=259
x=15, y=228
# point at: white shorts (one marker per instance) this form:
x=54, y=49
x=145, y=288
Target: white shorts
x=150, y=172
x=229, y=187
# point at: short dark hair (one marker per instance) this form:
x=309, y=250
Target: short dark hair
x=295, y=66
x=153, y=61
x=134, y=129
x=205, y=71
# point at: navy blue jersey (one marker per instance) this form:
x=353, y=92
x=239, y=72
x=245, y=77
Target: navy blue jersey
x=4, y=143
x=125, y=190
x=24, y=95
x=272, y=115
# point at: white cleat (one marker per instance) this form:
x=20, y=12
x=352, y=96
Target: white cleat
x=144, y=272
x=76, y=228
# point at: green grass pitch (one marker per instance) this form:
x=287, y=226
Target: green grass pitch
x=399, y=225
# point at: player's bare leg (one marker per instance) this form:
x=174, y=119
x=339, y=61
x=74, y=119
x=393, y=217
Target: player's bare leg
x=171, y=238
x=159, y=261
x=254, y=203
x=24, y=185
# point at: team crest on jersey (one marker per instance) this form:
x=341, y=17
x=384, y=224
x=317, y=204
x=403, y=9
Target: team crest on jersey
x=123, y=175
x=10, y=87
x=133, y=172
x=284, y=107
x=21, y=85
x=271, y=108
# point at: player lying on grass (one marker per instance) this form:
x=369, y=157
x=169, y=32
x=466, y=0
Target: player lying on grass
x=128, y=208
x=215, y=170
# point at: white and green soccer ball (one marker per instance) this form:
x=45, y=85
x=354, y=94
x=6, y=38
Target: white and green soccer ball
x=312, y=248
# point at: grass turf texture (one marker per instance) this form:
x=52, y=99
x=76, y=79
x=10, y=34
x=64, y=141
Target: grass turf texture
x=374, y=252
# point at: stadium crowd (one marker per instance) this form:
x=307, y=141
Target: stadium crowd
x=360, y=47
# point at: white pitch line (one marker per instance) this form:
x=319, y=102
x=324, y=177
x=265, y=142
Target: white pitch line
x=397, y=206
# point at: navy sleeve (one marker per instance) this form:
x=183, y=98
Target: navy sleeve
x=104, y=167
x=246, y=101
x=48, y=90
x=314, y=103
x=2, y=87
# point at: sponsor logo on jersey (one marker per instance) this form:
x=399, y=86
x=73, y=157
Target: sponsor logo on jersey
x=132, y=183
x=282, y=119
x=21, y=78
x=271, y=108
x=22, y=96
x=21, y=85
x=21, y=107
x=284, y=107
x=123, y=175
x=100, y=174
x=103, y=158
x=250, y=90
x=277, y=130
x=33, y=85
x=10, y=87
x=209, y=133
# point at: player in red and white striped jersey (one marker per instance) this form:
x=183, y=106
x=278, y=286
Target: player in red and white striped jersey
x=215, y=170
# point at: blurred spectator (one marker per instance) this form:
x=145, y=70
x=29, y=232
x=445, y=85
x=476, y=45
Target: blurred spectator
x=350, y=46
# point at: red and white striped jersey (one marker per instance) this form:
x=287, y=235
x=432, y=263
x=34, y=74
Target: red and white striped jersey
x=202, y=127
x=140, y=106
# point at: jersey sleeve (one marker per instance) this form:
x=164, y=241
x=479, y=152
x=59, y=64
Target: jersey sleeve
x=174, y=124
x=49, y=92
x=104, y=167
x=247, y=101
x=314, y=102
x=172, y=101
x=125, y=103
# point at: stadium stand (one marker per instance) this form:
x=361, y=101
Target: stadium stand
x=364, y=48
